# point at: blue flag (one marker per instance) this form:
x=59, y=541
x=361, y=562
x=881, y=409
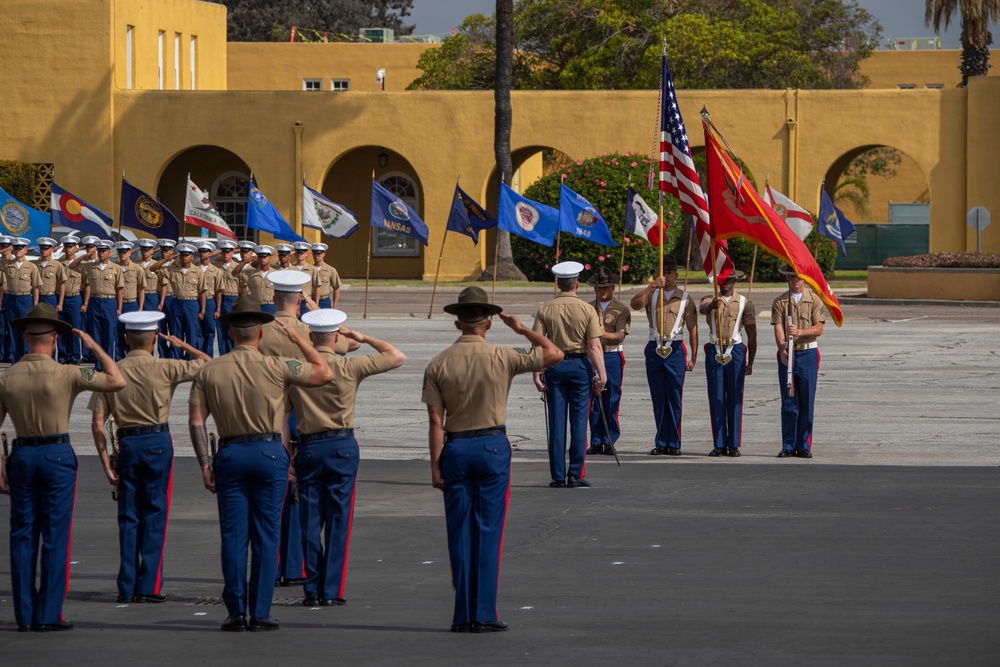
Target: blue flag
x=467, y=217
x=21, y=220
x=140, y=211
x=262, y=215
x=529, y=219
x=76, y=214
x=833, y=224
x=580, y=219
x=392, y=213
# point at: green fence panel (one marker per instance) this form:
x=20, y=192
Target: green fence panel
x=871, y=244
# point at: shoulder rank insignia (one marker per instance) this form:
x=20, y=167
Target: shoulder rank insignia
x=523, y=350
x=88, y=374
x=295, y=367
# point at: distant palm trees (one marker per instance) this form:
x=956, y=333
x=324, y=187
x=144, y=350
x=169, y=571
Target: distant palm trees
x=976, y=17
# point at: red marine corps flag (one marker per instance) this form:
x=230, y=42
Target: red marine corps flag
x=737, y=210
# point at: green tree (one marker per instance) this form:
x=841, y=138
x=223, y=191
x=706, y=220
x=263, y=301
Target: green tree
x=603, y=181
x=271, y=20
x=18, y=180
x=852, y=187
x=976, y=16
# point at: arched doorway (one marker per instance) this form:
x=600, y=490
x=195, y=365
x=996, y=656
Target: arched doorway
x=220, y=172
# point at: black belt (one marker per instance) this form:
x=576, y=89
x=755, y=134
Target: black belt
x=325, y=435
x=131, y=431
x=247, y=439
x=575, y=355
x=493, y=430
x=42, y=440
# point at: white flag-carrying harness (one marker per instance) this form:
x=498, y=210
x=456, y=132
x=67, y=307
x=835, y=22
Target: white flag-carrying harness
x=200, y=212
x=320, y=213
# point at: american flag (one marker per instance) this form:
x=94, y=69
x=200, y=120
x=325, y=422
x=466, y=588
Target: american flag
x=679, y=178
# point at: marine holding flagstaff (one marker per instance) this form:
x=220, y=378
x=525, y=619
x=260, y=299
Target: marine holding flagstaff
x=669, y=310
x=616, y=319
x=728, y=360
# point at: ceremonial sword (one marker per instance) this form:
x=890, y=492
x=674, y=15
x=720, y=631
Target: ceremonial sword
x=607, y=431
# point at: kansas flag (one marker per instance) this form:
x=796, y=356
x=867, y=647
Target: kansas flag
x=262, y=215
x=21, y=220
x=580, y=219
x=832, y=223
x=467, y=217
x=392, y=213
x=140, y=211
x=529, y=219
x=73, y=212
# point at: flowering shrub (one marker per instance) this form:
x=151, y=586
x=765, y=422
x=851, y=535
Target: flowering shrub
x=947, y=260
x=603, y=181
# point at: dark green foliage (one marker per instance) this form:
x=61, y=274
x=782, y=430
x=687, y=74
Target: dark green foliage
x=766, y=269
x=603, y=181
x=340, y=20
x=18, y=180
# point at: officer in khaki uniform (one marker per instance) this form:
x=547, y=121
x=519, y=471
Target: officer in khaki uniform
x=21, y=292
x=667, y=359
x=152, y=300
x=326, y=288
x=146, y=461
x=253, y=280
x=134, y=293
x=728, y=360
x=188, y=297
x=616, y=318
x=465, y=389
x=54, y=275
x=214, y=279
x=575, y=329
x=103, y=290
x=326, y=459
x=69, y=345
x=245, y=392
x=230, y=285
x=808, y=317
x=40, y=475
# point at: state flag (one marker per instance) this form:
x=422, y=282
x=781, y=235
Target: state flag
x=578, y=217
x=68, y=210
x=320, y=213
x=526, y=218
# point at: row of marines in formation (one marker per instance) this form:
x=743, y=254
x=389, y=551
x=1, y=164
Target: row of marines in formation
x=274, y=373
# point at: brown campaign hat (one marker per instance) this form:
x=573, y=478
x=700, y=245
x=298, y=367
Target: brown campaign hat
x=472, y=301
x=669, y=263
x=602, y=277
x=43, y=313
x=736, y=274
x=245, y=311
x=786, y=270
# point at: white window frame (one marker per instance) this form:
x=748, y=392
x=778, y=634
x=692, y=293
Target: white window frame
x=340, y=85
x=191, y=56
x=177, y=61
x=159, y=57
x=391, y=244
x=233, y=208
x=129, y=57
x=318, y=83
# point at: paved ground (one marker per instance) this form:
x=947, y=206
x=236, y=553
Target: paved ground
x=881, y=550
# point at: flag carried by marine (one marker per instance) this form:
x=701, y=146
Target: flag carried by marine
x=393, y=214
x=467, y=217
x=526, y=218
x=578, y=217
x=21, y=220
x=832, y=223
x=199, y=211
x=331, y=218
x=262, y=215
x=143, y=212
x=640, y=219
x=68, y=210
x=797, y=218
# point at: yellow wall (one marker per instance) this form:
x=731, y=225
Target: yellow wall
x=283, y=66
x=889, y=69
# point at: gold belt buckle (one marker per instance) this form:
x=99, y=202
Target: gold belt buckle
x=800, y=346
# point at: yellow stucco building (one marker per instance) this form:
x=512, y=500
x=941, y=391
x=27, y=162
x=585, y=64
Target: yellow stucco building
x=152, y=89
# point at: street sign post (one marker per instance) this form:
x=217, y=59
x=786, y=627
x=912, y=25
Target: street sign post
x=979, y=219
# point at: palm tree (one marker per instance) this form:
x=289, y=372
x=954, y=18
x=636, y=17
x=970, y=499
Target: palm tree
x=976, y=17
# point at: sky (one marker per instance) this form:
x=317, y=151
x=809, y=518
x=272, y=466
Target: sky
x=899, y=18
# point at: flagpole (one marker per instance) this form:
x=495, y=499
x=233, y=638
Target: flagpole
x=555, y=281
x=368, y=258
x=184, y=224
x=687, y=260
x=119, y=208
x=753, y=265
x=659, y=223
x=437, y=273
x=621, y=262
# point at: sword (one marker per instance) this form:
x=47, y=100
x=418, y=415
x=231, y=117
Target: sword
x=213, y=447
x=6, y=454
x=607, y=431
x=114, y=458
x=789, y=377
x=545, y=406
x=295, y=484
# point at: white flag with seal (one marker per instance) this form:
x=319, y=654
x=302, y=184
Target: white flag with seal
x=320, y=213
x=200, y=212
x=797, y=218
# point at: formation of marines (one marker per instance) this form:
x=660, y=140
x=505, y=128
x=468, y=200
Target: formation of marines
x=282, y=393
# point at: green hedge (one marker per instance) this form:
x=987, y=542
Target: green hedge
x=18, y=180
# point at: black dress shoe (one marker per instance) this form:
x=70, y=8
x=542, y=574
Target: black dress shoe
x=490, y=626
x=658, y=451
x=593, y=449
x=122, y=599
x=263, y=624
x=674, y=451
x=803, y=453
x=461, y=627
x=608, y=450
x=24, y=628
x=785, y=454
x=333, y=602
x=283, y=582
x=717, y=451
x=559, y=483
x=734, y=452
x=236, y=623
x=61, y=626
x=573, y=482
x=158, y=597
x=311, y=602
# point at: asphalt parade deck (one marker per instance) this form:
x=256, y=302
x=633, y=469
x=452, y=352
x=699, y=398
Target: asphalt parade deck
x=881, y=550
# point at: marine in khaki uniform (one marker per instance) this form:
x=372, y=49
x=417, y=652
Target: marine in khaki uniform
x=54, y=275
x=667, y=359
x=244, y=391
x=808, y=315
x=301, y=250
x=214, y=279
x=21, y=292
x=465, y=389
x=6, y=340
x=69, y=345
x=145, y=470
x=326, y=460
x=188, y=297
x=230, y=291
x=40, y=475
x=616, y=319
x=326, y=287
x=103, y=288
x=253, y=280
x=152, y=299
x=134, y=293
x=728, y=360
x=575, y=329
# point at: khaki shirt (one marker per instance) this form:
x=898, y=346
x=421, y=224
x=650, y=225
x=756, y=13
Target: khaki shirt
x=730, y=327
x=244, y=390
x=326, y=279
x=145, y=400
x=256, y=283
x=150, y=277
x=230, y=284
x=332, y=405
x=184, y=286
x=274, y=341
x=38, y=393
x=806, y=313
x=616, y=317
x=21, y=279
x=103, y=282
x=568, y=322
x=53, y=274
x=74, y=282
x=213, y=278
x=471, y=380
x=135, y=277
x=671, y=311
